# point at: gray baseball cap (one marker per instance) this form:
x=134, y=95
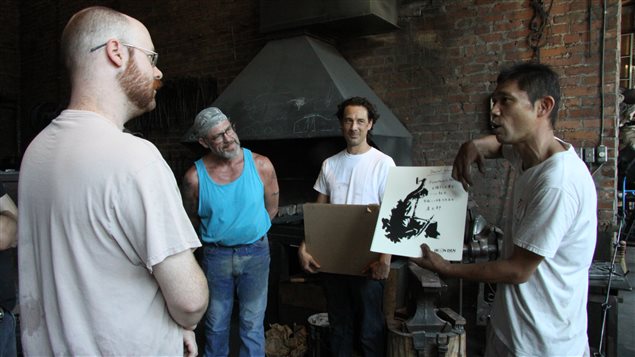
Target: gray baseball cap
x=205, y=120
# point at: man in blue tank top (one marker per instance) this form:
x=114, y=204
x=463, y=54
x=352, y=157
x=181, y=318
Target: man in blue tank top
x=231, y=195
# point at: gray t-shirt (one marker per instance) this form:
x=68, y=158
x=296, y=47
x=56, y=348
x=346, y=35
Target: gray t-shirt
x=98, y=208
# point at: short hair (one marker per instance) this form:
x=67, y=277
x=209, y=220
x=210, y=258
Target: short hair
x=373, y=115
x=538, y=80
x=89, y=28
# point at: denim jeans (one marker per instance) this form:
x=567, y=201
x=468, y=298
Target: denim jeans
x=355, y=304
x=7, y=335
x=243, y=271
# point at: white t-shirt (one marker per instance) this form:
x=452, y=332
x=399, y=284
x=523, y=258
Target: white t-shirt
x=553, y=215
x=98, y=208
x=354, y=179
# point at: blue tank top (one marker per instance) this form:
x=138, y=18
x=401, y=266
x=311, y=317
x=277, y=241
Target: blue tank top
x=232, y=213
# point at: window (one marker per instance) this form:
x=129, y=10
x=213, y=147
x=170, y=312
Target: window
x=627, y=42
x=626, y=60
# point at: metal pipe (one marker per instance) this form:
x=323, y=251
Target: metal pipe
x=606, y=306
x=590, y=20
x=602, y=44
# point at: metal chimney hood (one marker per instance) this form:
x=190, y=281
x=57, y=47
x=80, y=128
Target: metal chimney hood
x=291, y=89
x=334, y=18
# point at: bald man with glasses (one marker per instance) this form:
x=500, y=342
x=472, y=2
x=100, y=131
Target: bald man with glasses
x=105, y=245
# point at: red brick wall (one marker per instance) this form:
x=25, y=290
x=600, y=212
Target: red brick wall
x=435, y=73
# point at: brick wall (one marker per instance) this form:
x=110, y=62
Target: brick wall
x=435, y=73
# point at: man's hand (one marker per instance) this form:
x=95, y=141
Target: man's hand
x=378, y=269
x=307, y=262
x=462, y=169
x=8, y=223
x=431, y=260
x=190, y=349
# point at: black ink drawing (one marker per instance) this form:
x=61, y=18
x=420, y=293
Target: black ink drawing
x=403, y=224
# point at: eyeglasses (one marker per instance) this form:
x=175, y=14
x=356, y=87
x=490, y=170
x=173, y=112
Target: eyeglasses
x=152, y=56
x=219, y=137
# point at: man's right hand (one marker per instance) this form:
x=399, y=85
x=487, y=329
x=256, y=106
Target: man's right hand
x=431, y=260
x=307, y=262
x=190, y=349
x=462, y=169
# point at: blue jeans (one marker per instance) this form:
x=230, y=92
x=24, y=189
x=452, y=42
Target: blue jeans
x=7, y=335
x=244, y=271
x=355, y=304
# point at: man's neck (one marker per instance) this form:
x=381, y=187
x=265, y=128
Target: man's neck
x=539, y=150
x=113, y=113
x=223, y=170
x=220, y=161
x=358, y=149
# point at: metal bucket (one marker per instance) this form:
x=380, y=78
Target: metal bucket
x=318, y=341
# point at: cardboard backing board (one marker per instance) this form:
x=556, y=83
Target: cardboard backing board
x=339, y=236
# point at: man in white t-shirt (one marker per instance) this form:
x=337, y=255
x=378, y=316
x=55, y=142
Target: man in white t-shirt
x=550, y=235
x=105, y=246
x=356, y=175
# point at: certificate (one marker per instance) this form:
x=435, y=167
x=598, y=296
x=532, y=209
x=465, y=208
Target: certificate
x=421, y=205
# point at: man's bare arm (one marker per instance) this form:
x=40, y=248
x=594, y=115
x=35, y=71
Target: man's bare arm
x=322, y=198
x=267, y=174
x=516, y=269
x=184, y=288
x=474, y=152
x=190, y=196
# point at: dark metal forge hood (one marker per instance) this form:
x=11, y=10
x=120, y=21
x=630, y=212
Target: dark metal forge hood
x=291, y=89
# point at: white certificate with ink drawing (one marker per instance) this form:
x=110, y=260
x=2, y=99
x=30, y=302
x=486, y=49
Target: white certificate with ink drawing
x=421, y=205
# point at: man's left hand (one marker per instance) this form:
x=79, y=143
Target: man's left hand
x=190, y=349
x=378, y=269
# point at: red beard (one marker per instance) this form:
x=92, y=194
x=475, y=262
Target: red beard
x=138, y=88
